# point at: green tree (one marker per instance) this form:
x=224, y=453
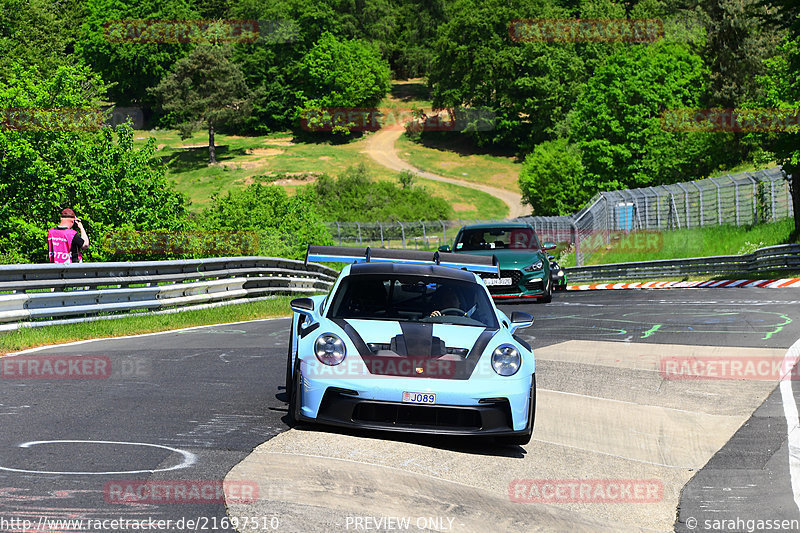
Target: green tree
x=130, y=65
x=48, y=24
x=285, y=225
x=205, y=89
x=552, y=179
x=48, y=164
x=782, y=90
x=617, y=120
x=356, y=197
x=338, y=73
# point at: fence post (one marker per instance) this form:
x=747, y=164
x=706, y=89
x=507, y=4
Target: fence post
x=358, y=224
x=444, y=233
x=339, y=231
x=736, y=196
x=755, y=195
x=685, y=202
x=658, y=208
x=381, y=226
x=700, y=192
x=719, y=201
x=424, y=235
x=403, y=234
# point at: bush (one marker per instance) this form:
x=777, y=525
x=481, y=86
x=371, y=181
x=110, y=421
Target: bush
x=552, y=179
x=355, y=197
x=285, y=226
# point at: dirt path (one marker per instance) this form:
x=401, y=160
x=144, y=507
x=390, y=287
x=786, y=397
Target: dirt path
x=380, y=147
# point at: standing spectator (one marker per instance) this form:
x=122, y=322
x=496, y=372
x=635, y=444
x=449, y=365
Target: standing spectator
x=63, y=242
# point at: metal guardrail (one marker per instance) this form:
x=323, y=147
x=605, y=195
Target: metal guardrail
x=773, y=258
x=42, y=292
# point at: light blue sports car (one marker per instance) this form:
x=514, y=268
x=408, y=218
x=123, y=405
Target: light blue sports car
x=410, y=341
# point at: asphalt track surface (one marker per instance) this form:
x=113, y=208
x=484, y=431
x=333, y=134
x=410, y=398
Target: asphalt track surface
x=194, y=404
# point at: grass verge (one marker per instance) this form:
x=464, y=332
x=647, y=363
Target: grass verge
x=695, y=242
x=134, y=325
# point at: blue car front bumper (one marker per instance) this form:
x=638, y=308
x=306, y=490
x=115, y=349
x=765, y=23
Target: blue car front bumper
x=499, y=406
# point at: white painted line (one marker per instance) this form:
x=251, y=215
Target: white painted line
x=792, y=419
x=74, y=343
x=188, y=458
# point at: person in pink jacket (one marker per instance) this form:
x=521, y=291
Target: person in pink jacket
x=64, y=244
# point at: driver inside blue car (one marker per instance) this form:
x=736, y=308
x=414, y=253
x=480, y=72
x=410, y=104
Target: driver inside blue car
x=446, y=299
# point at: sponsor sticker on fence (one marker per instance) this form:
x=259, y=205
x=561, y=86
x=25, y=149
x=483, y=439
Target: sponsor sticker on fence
x=586, y=30
x=586, y=490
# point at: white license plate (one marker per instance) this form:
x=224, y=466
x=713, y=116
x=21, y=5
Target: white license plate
x=419, y=397
x=497, y=281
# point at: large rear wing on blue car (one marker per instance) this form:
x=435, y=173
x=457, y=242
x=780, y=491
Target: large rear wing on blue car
x=346, y=254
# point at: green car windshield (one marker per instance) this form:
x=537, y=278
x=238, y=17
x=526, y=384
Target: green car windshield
x=497, y=238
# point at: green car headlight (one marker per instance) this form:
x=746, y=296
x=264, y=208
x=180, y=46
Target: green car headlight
x=536, y=266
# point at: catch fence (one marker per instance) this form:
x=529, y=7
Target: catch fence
x=740, y=199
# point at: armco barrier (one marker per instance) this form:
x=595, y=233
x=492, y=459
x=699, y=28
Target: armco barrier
x=42, y=292
x=771, y=259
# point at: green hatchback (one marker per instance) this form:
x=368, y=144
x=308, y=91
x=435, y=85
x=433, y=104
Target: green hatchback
x=524, y=263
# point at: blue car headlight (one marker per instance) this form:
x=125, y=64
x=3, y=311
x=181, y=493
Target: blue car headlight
x=536, y=266
x=329, y=349
x=506, y=360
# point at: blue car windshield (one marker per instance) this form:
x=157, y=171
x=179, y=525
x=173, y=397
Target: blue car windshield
x=413, y=298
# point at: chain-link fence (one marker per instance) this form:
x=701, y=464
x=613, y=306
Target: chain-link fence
x=737, y=199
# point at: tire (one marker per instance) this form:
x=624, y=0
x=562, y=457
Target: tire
x=525, y=438
x=289, y=380
x=548, y=296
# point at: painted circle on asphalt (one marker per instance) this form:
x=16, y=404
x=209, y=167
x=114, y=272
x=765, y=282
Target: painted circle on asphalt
x=188, y=458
